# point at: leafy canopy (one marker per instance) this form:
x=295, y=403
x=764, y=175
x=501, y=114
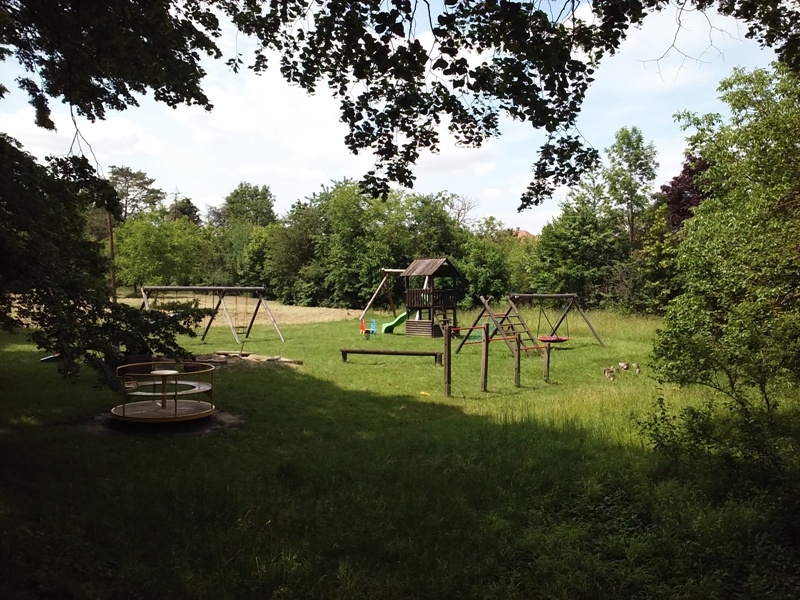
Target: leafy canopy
x=532, y=61
x=248, y=203
x=577, y=251
x=682, y=193
x=52, y=276
x=736, y=327
x=630, y=174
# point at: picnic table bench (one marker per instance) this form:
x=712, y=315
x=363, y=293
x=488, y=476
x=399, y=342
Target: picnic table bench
x=437, y=355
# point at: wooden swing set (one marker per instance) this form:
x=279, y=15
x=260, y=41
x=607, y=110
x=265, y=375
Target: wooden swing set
x=386, y=273
x=219, y=292
x=509, y=324
x=570, y=303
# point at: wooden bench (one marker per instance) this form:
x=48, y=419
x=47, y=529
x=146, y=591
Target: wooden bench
x=437, y=355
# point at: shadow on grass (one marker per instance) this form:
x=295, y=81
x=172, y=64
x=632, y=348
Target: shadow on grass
x=327, y=492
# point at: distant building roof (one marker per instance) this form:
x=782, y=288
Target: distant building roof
x=522, y=234
x=435, y=267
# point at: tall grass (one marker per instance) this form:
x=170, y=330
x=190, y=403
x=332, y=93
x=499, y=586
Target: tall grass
x=361, y=480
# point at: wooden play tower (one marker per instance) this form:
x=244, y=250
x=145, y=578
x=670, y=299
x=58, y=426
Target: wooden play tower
x=428, y=307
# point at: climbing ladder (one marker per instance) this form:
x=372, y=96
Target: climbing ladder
x=506, y=324
x=439, y=315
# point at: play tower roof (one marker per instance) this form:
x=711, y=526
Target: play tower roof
x=431, y=267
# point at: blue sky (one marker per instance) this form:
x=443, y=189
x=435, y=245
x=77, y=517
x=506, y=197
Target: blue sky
x=266, y=132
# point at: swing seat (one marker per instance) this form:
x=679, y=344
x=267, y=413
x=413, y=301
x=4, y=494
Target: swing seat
x=552, y=339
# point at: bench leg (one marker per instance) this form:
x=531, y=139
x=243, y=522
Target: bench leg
x=344, y=356
x=437, y=359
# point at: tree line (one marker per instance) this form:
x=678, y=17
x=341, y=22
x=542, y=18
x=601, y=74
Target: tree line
x=612, y=242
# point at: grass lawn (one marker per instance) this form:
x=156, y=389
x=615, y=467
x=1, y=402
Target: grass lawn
x=361, y=480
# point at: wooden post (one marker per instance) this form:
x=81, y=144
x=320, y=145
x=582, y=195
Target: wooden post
x=375, y=295
x=391, y=300
x=547, y=363
x=589, y=323
x=484, y=356
x=446, y=357
x=145, y=300
x=111, y=256
x=517, y=353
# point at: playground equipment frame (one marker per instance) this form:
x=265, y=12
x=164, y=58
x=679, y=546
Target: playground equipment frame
x=515, y=342
x=571, y=302
x=220, y=292
x=386, y=273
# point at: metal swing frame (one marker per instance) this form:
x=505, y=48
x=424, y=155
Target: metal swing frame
x=219, y=292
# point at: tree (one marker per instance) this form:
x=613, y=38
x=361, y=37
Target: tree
x=736, y=326
x=342, y=249
x=248, y=203
x=42, y=222
x=135, y=190
x=434, y=231
x=183, y=207
x=486, y=266
x=256, y=255
x=650, y=279
x=655, y=260
x=154, y=249
x=244, y=211
x=631, y=171
x=536, y=63
x=460, y=207
x=52, y=277
x=521, y=259
x=295, y=273
x=682, y=193
x=578, y=251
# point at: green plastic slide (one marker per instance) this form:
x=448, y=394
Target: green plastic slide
x=389, y=327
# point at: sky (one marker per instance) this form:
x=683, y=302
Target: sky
x=265, y=132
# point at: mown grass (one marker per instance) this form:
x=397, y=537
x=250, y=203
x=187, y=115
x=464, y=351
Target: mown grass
x=361, y=480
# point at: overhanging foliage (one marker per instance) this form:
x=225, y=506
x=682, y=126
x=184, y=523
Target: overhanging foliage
x=400, y=68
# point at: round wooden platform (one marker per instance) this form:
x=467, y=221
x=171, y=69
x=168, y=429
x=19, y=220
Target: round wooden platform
x=164, y=391
x=150, y=411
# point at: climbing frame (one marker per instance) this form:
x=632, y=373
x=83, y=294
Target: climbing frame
x=505, y=325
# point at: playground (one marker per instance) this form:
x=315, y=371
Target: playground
x=362, y=479
x=428, y=312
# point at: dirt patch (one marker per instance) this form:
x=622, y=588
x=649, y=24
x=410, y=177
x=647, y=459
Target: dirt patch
x=106, y=424
x=298, y=315
x=227, y=359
